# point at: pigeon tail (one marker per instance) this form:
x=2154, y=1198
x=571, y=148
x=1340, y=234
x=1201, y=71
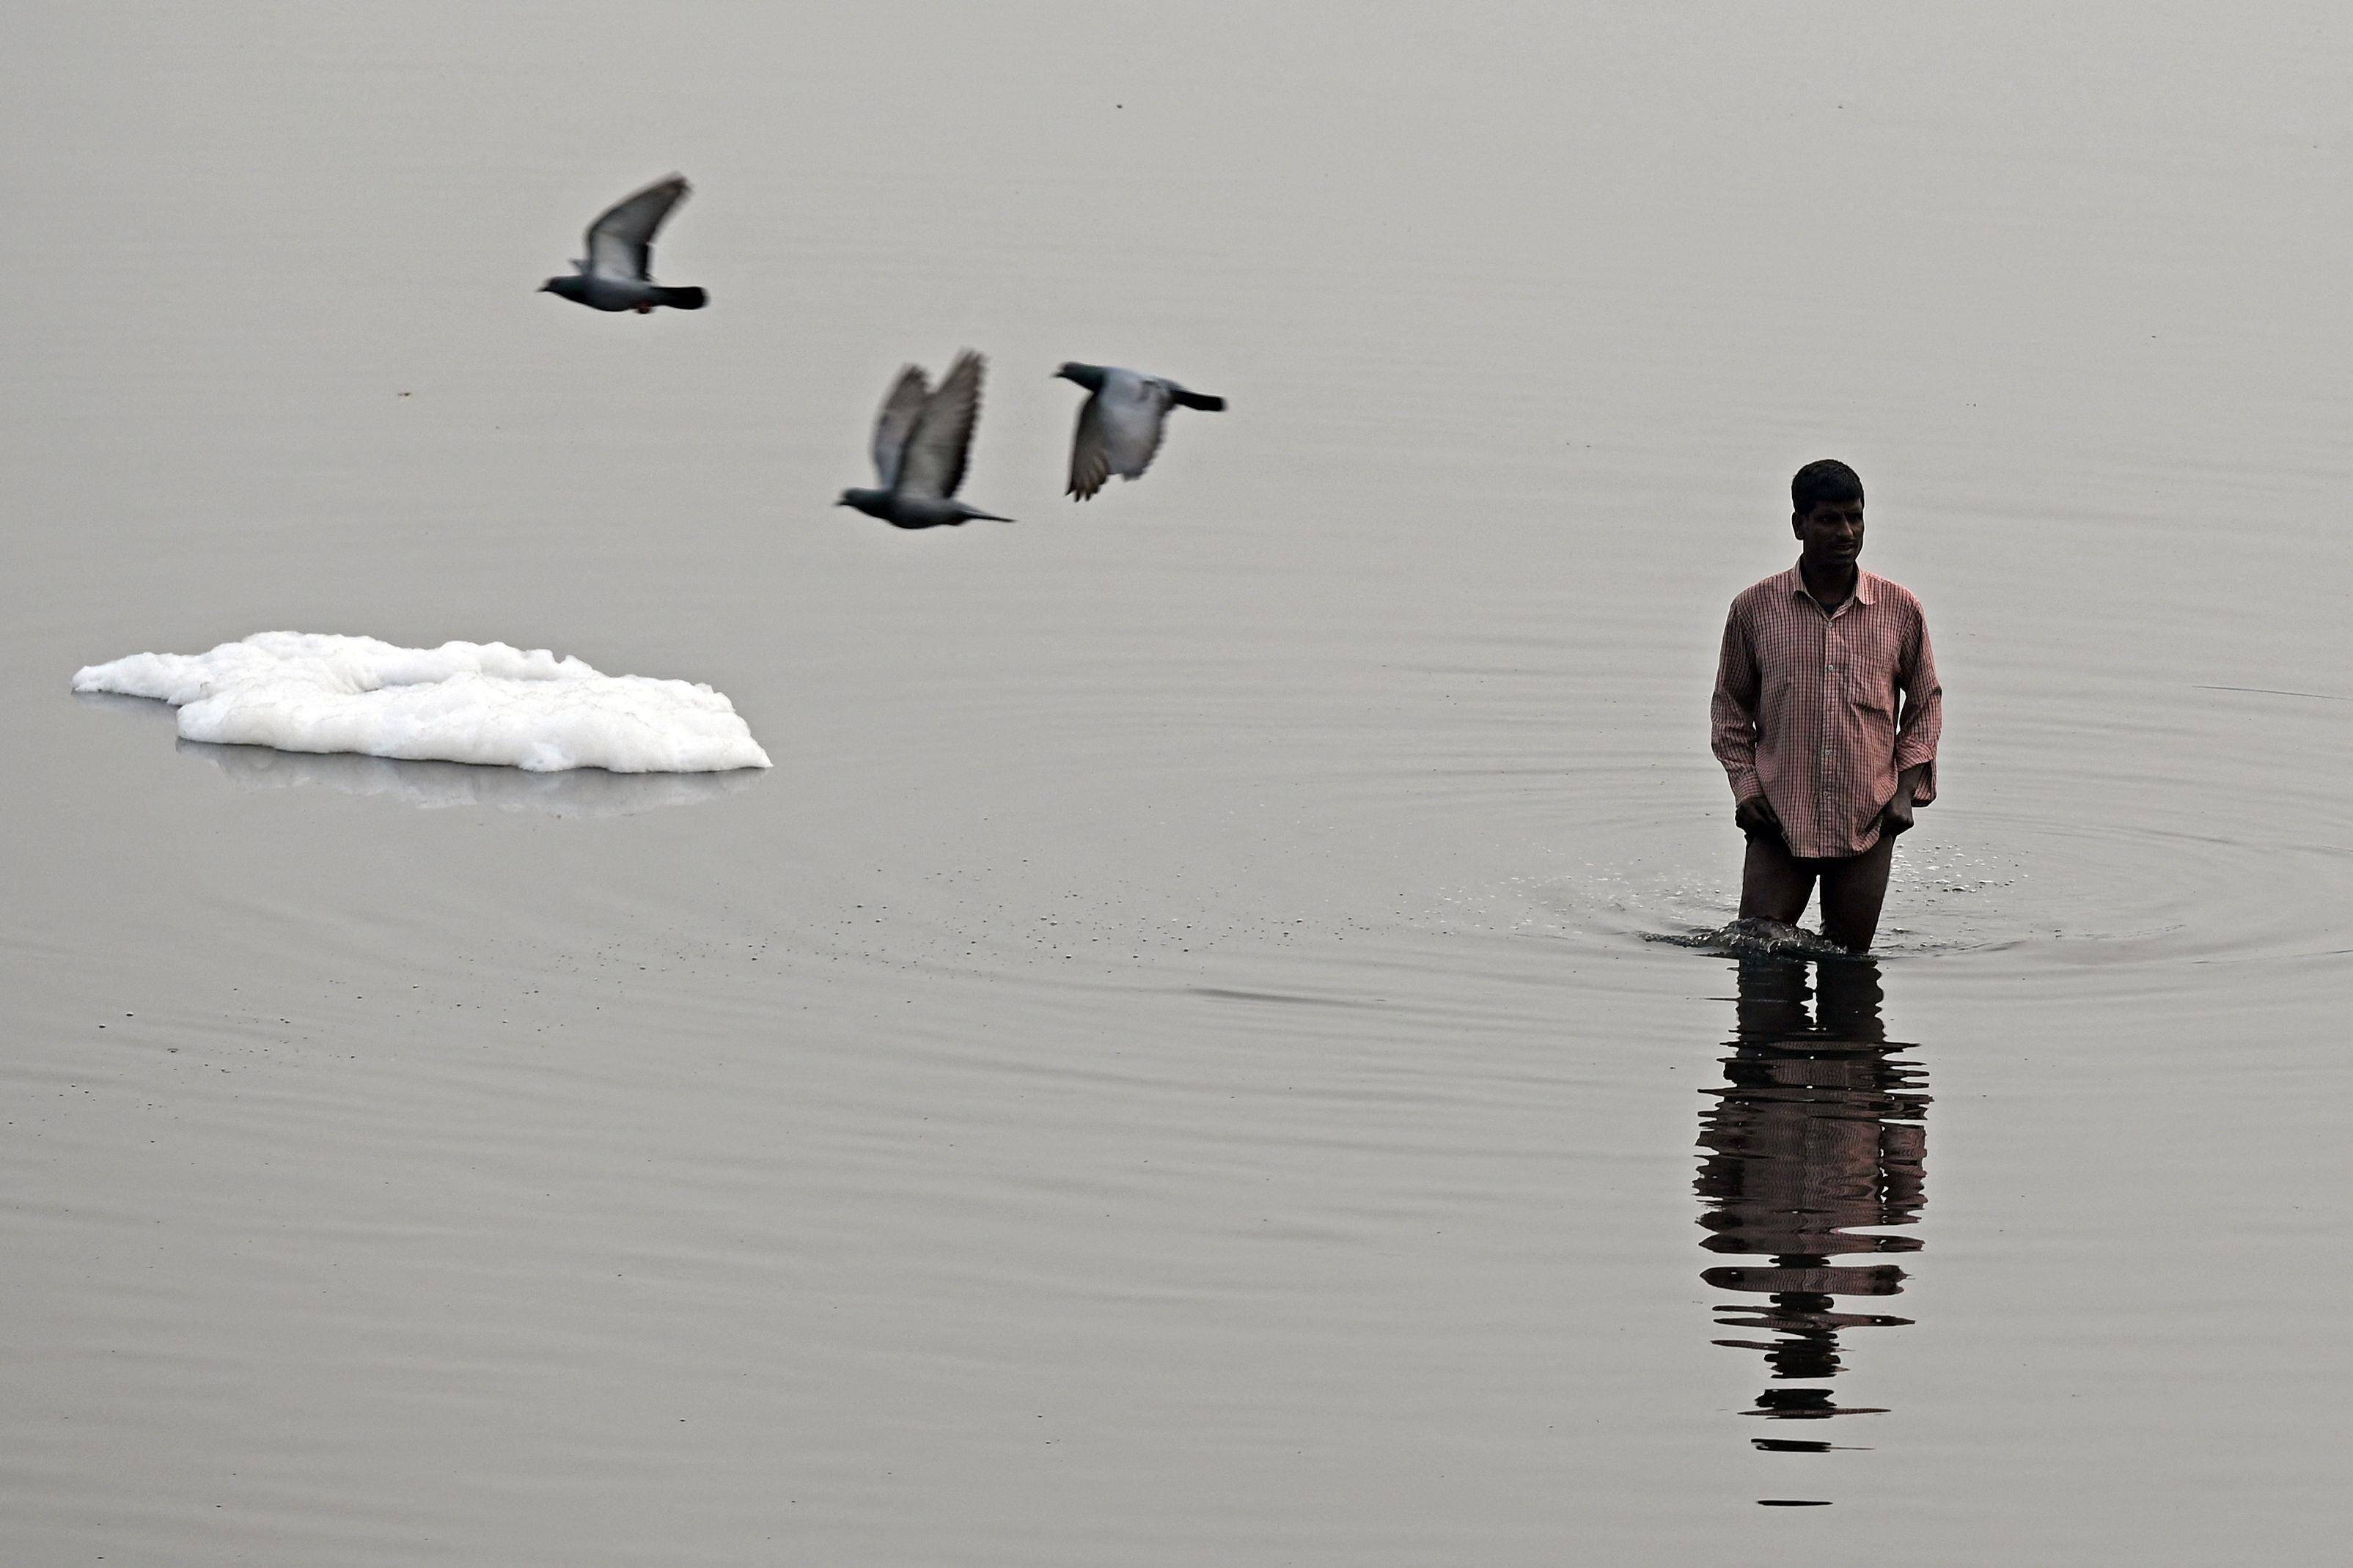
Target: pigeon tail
x=1198, y=400
x=694, y=299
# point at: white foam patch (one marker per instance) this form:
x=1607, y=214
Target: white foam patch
x=461, y=702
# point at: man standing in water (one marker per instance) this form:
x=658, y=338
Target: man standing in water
x=1824, y=773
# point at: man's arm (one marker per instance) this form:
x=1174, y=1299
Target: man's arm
x=1732, y=714
x=1917, y=734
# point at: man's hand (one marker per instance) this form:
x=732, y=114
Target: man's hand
x=1755, y=817
x=1897, y=818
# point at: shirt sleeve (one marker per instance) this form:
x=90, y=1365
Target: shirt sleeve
x=1732, y=713
x=1924, y=711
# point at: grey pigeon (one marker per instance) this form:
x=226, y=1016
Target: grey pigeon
x=615, y=275
x=920, y=442
x=1120, y=425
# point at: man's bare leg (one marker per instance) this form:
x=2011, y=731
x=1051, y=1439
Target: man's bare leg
x=1852, y=891
x=1773, y=886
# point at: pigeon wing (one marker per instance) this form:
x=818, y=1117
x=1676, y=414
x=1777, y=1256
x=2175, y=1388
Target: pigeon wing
x=934, y=460
x=897, y=422
x=621, y=240
x=1090, y=459
x=1116, y=435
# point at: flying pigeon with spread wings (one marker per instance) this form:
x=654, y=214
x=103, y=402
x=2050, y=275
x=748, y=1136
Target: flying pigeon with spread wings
x=921, y=440
x=617, y=273
x=1120, y=425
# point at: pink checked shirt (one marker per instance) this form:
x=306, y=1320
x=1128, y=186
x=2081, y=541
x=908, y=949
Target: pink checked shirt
x=1805, y=711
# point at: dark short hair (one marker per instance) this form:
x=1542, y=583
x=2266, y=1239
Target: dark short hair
x=1825, y=479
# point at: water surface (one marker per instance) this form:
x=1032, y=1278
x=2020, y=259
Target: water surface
x=1171, y=1065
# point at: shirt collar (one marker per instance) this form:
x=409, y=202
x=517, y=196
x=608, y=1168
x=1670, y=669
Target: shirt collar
x=1794, y=581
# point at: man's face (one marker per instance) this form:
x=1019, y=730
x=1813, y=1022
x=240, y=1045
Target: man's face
x=1831, y=534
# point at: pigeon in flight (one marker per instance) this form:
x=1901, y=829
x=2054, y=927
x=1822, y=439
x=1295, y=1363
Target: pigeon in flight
x=920, y=442
x=1120, y=425
x=616, y=274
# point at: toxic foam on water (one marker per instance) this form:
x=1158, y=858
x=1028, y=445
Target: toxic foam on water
x=461, y=702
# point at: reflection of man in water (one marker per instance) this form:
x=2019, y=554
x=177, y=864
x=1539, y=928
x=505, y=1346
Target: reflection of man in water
x=1816, y=1134
x=1824, y=774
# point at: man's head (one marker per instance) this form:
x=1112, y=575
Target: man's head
x=1826, y=514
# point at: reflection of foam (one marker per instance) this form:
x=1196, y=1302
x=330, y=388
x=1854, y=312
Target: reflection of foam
x=581, y=792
